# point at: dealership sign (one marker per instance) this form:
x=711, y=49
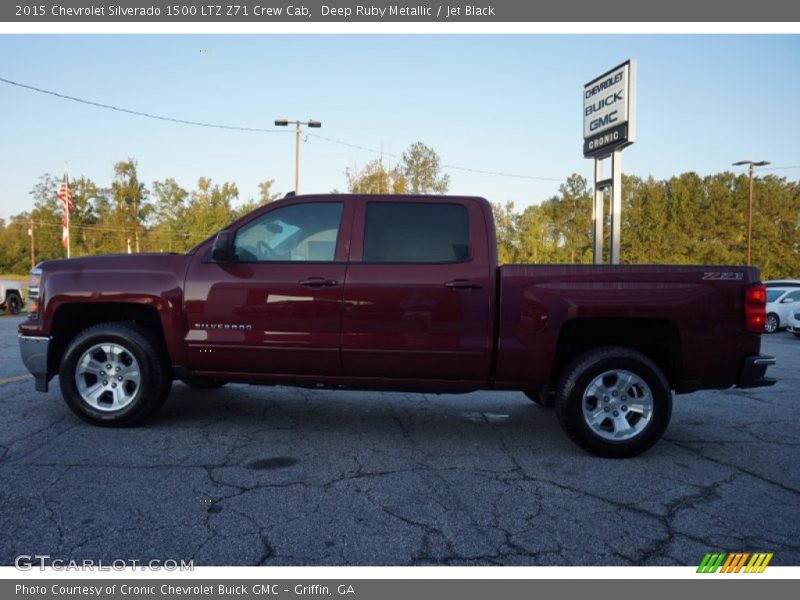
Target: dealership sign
x=609, y=111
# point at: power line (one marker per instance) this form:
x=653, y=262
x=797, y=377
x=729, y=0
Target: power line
x=137, y=112
x=781, y=168
x=444, y=166
x=257, y=130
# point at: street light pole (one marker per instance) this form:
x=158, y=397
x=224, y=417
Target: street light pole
x=751, y=164
x=297, y=124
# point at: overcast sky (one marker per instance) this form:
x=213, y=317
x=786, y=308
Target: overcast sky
x=509, y=103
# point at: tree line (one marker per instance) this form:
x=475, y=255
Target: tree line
x=686, y=219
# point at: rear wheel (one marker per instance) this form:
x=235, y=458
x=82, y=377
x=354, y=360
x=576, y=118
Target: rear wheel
x=614, y=402
x=114, y=374
x=772, y=323
x=13, y=303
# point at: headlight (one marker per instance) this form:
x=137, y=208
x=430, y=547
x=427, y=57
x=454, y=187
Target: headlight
x=34, y=284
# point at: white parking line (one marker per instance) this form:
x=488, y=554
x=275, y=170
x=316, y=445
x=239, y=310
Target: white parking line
x=15, y=379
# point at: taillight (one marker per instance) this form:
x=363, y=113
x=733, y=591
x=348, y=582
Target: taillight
x=755, y=308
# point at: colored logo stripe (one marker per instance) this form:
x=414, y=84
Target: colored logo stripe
x=733, y=563
x=758, y=563
x=711, y=562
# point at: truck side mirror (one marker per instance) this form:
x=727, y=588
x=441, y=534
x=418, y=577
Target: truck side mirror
x=222, y=249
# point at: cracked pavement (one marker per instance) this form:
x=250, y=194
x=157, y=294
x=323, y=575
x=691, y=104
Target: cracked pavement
x=280, y=476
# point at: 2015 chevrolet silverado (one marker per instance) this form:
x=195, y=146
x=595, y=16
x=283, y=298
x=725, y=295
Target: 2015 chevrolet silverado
x=393, y=293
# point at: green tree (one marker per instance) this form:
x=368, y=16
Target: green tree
x=421, y=168
x=46, y=216
x=130, y=206
x=169, y=210
x=209, y=208
x=376, y=178
x=505, y=222
x=265, y=196
x=86, y=234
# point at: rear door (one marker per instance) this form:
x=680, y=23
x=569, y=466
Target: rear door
x=278, y=308
x=418, y=291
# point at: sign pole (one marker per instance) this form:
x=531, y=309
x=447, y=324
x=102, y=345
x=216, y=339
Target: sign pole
x=609, y=125
x=616, y=204
x=597, y=214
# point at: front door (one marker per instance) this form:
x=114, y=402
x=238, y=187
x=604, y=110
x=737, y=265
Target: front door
x=276, y=309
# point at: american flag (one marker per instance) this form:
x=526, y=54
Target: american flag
x=65, y=195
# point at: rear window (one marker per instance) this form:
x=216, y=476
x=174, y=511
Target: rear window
x=414, y=232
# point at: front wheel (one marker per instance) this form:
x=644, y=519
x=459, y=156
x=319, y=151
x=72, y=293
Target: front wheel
x=114, y=374
x=614, y=402
x=772, y=323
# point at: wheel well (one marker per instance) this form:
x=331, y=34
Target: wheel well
x=657, y=339
x=71, y=319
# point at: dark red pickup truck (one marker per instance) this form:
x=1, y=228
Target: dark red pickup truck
x=393, y=293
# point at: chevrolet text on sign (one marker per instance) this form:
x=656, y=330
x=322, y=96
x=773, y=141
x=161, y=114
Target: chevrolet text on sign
x=609, y=110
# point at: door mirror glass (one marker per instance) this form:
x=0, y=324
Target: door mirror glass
x=222, y=249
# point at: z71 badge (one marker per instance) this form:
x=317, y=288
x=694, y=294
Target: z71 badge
x=723, y=275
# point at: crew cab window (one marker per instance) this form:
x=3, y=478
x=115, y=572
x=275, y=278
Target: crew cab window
x=416, y=232
x=298, y=232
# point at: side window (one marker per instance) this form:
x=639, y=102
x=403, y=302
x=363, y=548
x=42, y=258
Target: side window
x=298, y=232
x=793, y=297
x=416, y=232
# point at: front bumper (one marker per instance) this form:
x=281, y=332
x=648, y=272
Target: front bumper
x=34, y=356
x=753, y=373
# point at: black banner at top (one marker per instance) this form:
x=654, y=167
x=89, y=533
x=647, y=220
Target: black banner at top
x=338, y=11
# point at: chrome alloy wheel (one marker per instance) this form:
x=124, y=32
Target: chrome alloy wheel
x=107, y=376
x=617, y=405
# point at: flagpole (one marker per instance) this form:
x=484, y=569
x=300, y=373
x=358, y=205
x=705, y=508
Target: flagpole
x=68, y=236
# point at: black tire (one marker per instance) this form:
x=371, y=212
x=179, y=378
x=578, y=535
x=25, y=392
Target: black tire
x=13, y=303
x=583, y=371
x=155, y=380
x=772, y=324
x=199, y=383
x=545, y=398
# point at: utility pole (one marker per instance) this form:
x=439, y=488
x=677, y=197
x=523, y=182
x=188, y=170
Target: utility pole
x=33, y=243
x=297, y=124
x=751, y=164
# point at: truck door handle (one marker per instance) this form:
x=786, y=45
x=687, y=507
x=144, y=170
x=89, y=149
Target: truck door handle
x=461, y=284
x=318, y=282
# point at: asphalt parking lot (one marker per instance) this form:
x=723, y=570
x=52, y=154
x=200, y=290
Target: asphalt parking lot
x=280, y=476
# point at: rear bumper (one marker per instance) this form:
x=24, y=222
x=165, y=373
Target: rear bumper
x=753, y=373
x=33, y=350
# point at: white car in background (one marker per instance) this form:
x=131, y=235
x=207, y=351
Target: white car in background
x=781, y=303
x=10, y=297
x=793, y=324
